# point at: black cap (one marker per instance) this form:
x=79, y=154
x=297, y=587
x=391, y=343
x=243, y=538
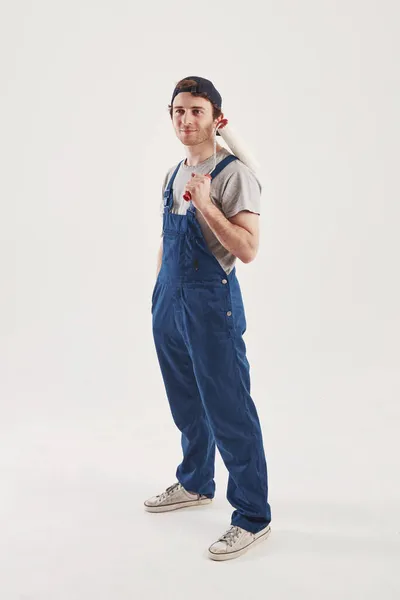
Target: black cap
x=202, y=86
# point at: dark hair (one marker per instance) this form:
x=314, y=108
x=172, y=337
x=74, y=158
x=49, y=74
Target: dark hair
x=187, y=82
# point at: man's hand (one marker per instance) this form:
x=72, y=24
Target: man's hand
x=199, y=188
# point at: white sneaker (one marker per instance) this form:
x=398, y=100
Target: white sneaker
x=235, y=542
x=173, y=498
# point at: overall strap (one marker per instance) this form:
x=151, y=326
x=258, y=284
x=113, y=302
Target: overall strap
x=168, y=196
x=222, y=164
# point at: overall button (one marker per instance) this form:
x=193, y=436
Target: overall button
x=229, y=313
x=224, y=281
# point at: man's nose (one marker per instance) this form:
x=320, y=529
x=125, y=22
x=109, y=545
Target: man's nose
x=186, y=118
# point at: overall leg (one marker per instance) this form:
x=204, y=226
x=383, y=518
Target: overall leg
x=196, y=472
x=222, y=372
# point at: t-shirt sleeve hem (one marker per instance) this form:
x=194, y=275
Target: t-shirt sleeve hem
x=238, y=209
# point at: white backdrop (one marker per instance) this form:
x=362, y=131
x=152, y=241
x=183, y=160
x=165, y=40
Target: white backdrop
x=85, y=430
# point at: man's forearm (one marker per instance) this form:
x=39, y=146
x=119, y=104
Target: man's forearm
x=235, y=239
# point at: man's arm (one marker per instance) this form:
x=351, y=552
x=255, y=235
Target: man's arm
x=159, y=257
x=238, y=234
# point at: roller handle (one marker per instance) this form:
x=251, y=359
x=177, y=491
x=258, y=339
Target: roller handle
x=187, y=195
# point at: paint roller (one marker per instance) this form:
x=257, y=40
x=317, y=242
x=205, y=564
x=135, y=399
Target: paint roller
x=236, y=145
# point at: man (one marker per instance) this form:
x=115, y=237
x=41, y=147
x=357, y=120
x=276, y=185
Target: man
x=199, y=322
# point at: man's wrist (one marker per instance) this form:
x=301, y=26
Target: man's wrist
x=208, y=208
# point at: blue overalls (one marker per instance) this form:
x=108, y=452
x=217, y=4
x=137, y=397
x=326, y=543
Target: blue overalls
x=198, y=321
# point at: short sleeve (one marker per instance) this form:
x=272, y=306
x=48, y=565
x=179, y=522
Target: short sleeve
x=242, y=191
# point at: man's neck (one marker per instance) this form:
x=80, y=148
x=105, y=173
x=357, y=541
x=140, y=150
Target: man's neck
x=200, y=153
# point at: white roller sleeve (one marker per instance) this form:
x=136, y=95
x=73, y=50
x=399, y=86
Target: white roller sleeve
x=238, y=148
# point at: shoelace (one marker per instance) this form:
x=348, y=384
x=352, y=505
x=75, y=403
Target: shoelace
x=230, y=536
x=170, y=490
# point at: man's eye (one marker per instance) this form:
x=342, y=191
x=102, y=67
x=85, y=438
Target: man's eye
x=178, y=110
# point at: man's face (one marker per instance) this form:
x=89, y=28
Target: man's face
x=192, y=118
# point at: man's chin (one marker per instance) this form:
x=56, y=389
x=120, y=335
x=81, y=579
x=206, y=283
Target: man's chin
x=189, y=143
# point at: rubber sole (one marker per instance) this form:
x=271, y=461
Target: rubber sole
x=177, y=506
x=237, y=553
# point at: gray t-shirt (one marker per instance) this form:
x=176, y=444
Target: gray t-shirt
x=234, y=189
